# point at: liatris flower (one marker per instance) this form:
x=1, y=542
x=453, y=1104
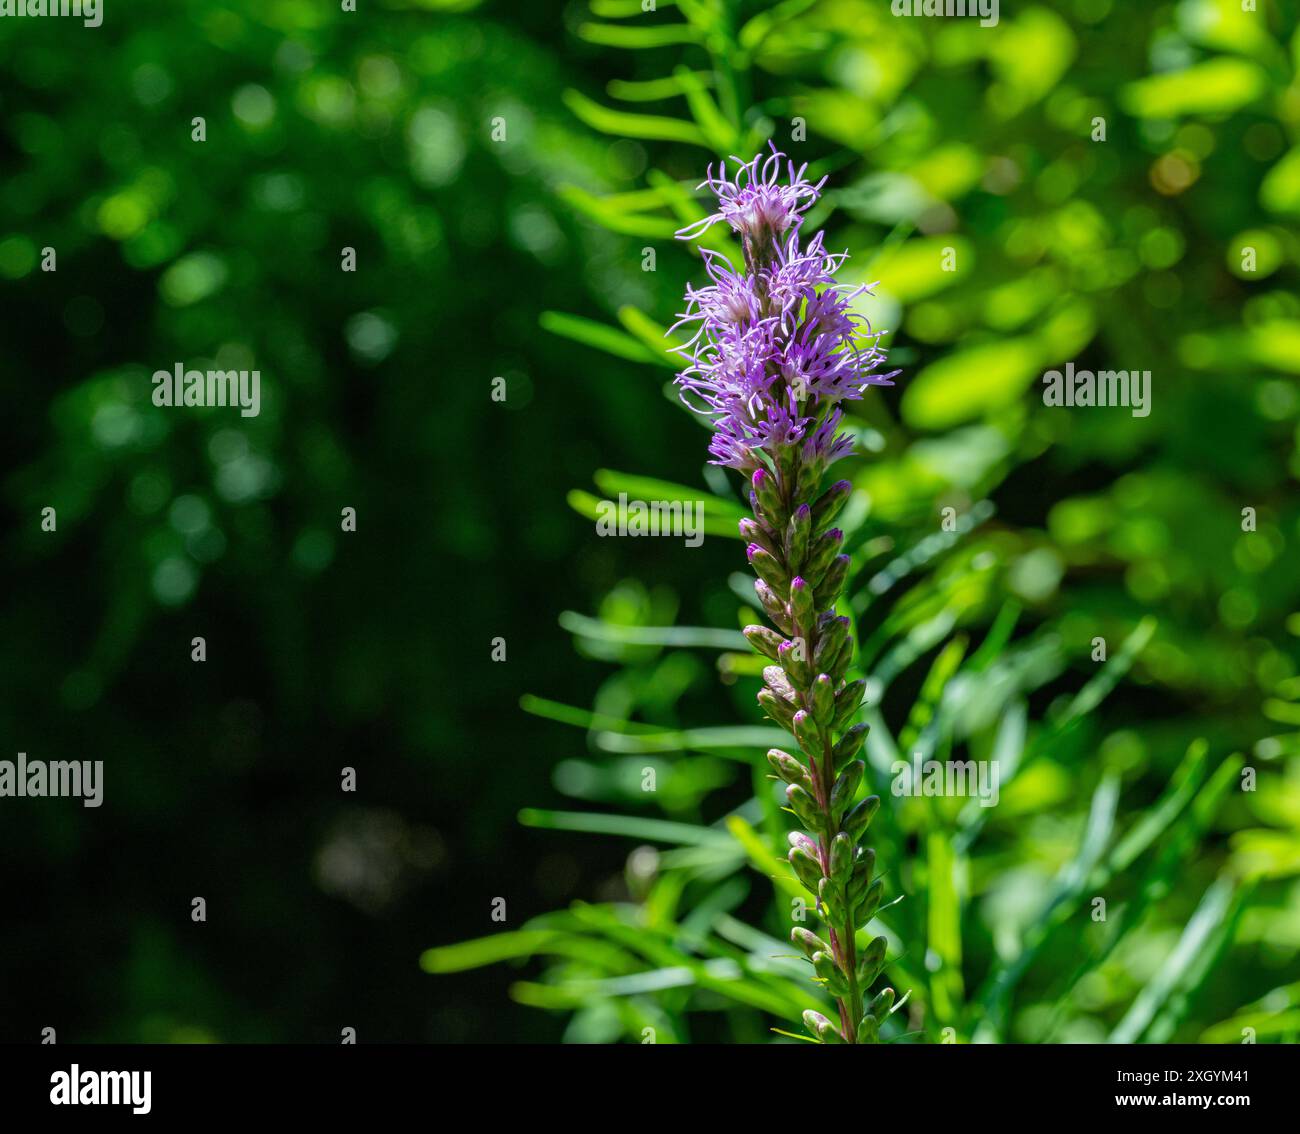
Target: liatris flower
x=777, y=348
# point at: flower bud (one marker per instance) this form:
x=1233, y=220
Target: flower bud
x=807, y=734
x=850, y=744
x=806, y=868
x=823, y=550
x=778, y=682
x=822, y=1028
x=778, y=708
x=766, y=494
x=751, y=531
x=846, y=787
x=847, y=702
x=789, y=769
x=831, y=582
x=833, y=636
x=841, y=857
x=882, y=1004
x=866, y=906
x=799, y=839
x=801, y=604
x=763, y=639
x=808, y=941
x=768, y=568
x=856, y=821
x=871, y=961
x=793, y=657
x=831, y=896
x=830, y=502
x=827, y=970
x=823, y=699
x=797, y=535
x=805, y=808
x=774, y=606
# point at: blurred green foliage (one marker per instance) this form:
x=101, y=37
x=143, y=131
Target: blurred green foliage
x=523, y=258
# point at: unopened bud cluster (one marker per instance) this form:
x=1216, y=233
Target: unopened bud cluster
x=796, y=552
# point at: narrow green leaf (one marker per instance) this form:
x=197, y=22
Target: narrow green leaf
x=944, y=928
x=628, y=826
x=597, y=335
x=650, y=488
x=594, y=508
x=1211, y=912
x=638, y=38
x=760, y=856
x=624, y=124
x=655, y=90
x=674, y=636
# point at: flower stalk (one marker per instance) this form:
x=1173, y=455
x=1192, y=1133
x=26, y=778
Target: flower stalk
x=777, y=349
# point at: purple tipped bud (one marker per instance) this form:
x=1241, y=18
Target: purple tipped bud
x=831, y=501
x=801, y=604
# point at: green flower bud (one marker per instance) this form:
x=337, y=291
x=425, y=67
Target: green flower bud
x=768, y=568
x=871, y=961
x=868, y=1029
x=830, y=642
x=778, y=708
x=822, y=1028
x=841, y=857
x=822, y=553
x=775, y=607
x=863, y=868
x=805, y=808
x=751, y=531
x=882, y=1004
x=849, y=745
x=868, y=904
x=842, y=660
x=789, y=465
x=808, y=941
x=846, y=787
x=764, y=640
x=801, y=603
x=797, y=534
x=806, y=868
x=831, y=582
x=789, y=769
x=827, y=970
x=831, y=896
x=856, y=821
x=848, y=701
x=830, y=502
x=766, y=494
x=823, y=701
x=793, y=656
x=808, y=735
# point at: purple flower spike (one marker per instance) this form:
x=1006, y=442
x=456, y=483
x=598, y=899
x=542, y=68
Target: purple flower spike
x=774, y=349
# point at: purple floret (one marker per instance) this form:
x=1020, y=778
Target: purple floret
x=777, y=347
